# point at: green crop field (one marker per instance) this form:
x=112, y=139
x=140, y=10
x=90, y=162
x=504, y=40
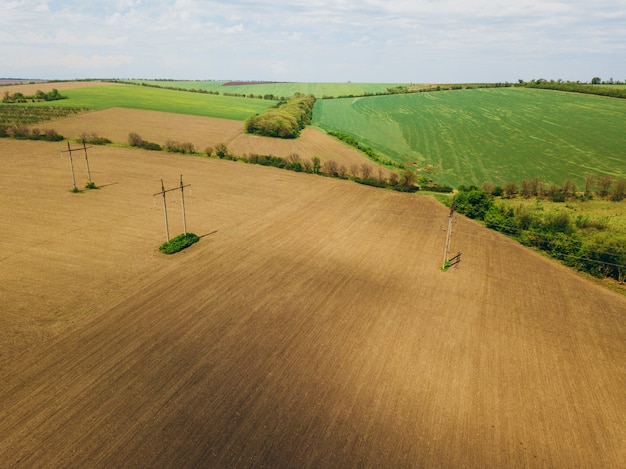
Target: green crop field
x=488, y=135
x=319, y=90
x=155, y=99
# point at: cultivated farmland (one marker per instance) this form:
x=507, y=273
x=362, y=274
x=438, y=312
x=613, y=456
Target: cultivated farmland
x=319, y=90
x=488, y=135
x=310, y=326
x=139, y=97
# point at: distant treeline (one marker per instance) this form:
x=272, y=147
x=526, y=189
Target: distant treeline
x=267, y=96
x=284, y=121
x=576, y=87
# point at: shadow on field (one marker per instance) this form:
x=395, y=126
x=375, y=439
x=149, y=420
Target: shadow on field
x=207, y=234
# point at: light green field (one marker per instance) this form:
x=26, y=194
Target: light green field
x=488, y=135
x=155, y=99
x=319, y=90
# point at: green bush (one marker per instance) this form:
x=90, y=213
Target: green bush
x=474, y=203
x=179, y=243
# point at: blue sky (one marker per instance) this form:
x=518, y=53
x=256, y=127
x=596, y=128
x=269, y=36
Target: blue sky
x=302, y=40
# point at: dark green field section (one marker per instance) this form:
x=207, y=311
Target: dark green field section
x=488, y=135
x=155, y=99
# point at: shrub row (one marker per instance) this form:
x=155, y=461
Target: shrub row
x=134, y=140
x=603, y=185
x=21, y=132
x=93, y=139
x=284, y=121
x=574, y=87
x=370, y=152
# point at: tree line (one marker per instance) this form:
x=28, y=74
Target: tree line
x=602, y=185
x=286, y=120
x=577, y=87
x=39, y=95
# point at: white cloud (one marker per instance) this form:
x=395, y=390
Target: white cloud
x=412, y=40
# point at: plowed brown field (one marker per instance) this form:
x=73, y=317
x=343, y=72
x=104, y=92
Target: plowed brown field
x=203, y=132
x=309, y=327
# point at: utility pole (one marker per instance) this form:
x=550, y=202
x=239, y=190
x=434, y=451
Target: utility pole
x=69, y=150
x=84, y=149
x=182, y=198
x=448, y=235
x=87, y=160
x=182, y=194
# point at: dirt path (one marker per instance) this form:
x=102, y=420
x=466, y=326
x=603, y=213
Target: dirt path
x=310, y=327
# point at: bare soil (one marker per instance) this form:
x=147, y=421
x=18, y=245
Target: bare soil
x=47, y=86
x=311, y=326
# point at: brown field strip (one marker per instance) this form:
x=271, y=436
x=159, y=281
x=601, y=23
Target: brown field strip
x=203, y=132
x=309, y=327
x=31, y=88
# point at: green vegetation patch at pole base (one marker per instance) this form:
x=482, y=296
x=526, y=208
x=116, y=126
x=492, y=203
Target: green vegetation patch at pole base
x=179, y=243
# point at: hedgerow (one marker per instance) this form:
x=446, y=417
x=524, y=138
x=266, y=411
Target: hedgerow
x=284, y=121
x=579, y=243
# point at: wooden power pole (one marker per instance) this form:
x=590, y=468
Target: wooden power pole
x=164, y=191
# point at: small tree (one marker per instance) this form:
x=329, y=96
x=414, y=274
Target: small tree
x=589, y=180
x=366, y=171
x=603, y=184
x=221, y=151
x=509, y=189
x=619, y=190
x=407, y=179
x=569, y=188
x=316, y=164
x=330, y=167
x=134, y=140
x=487, y=187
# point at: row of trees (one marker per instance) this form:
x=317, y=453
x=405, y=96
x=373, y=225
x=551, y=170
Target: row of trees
x=577, y=87
x=602, y=185
x=363, y=173
x=18, y=97
x=284, y=121
x=22, y=132
x=582, y=243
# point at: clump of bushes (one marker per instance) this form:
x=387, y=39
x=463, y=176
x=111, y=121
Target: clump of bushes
x=93, y=139
x=177, y=147
x=284, y=121
x=22, y=132
x=179, y=243
x=134, y=140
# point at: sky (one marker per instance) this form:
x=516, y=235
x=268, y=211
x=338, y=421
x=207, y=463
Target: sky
x=383, y=41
